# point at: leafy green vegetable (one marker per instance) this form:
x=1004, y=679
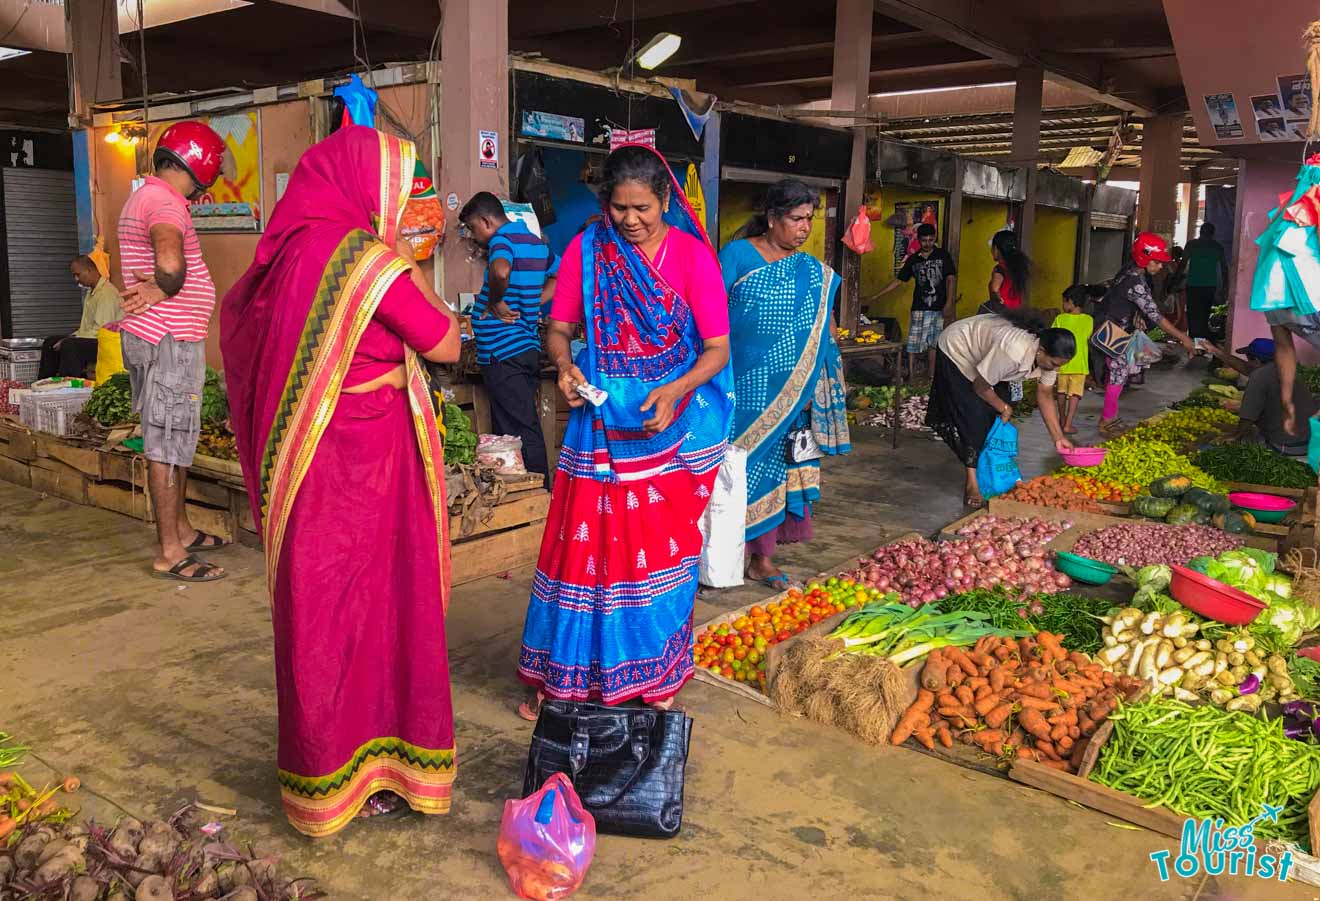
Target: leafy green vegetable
x=460, y=440
x=111, y=402
x=1305, y=674
x=1072, y=615
x=215, y=400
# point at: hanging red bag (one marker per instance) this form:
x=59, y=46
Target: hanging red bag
x=858, y=236
x=547, y=841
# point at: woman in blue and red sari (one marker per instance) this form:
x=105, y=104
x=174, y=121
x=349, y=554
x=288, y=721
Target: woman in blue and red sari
x=610, y=616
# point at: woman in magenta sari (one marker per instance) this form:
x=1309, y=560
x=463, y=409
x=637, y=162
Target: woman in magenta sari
x=344, y=468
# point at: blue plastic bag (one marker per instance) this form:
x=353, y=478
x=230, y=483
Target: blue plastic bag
x=997, y=470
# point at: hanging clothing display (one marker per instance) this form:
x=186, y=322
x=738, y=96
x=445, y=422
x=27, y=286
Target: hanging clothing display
x=1286, y=286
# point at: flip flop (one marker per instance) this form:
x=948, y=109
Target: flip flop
x=384, y=808
x=780, y=582
x=529, y=713
x=202, y=573
x=203, y=541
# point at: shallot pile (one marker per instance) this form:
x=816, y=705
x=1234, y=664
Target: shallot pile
x=991, y=552
x=1140, y=545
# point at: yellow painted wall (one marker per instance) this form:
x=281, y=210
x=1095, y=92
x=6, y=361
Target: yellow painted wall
x=981, y=219
x=1054, y=252
x=738, y=200
x=878, y=265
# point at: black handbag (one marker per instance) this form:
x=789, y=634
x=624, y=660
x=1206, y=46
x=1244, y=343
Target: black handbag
x=626, y=763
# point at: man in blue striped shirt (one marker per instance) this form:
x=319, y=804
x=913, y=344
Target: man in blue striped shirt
x=520, y=275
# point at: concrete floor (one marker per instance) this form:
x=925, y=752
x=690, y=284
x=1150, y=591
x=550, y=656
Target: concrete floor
x=156, y=694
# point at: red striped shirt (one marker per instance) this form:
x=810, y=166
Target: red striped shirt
x=187, y=314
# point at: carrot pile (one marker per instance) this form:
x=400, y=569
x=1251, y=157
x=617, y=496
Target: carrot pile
x=1014, y=698
x=1054, y=491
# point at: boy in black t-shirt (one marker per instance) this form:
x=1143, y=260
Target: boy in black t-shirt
x=933, y=274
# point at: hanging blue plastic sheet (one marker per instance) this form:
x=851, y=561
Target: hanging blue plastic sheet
x=359, y=101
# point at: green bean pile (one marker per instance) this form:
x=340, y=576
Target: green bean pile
x=1206, y=762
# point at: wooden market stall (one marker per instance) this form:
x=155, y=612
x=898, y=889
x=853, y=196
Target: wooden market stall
x=113, y=478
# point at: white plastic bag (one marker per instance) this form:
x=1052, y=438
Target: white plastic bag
x=724, y=524
x=503, y=452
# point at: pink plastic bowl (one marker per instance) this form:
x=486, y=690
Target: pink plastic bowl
x=1254, y=500
x=1084, y=456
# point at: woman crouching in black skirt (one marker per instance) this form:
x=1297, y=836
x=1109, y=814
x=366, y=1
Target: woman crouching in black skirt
x=976, y=359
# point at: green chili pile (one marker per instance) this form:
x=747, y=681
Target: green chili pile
x=1207, y=762
x=1256, y=464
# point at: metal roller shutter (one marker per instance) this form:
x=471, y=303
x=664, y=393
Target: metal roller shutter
x=41, y=236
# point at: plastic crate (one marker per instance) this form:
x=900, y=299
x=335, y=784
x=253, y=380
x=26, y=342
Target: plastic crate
x=53, y=411
x=23, y=369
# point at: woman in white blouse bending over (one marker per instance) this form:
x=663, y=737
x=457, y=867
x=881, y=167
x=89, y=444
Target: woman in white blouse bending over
x=976, y=359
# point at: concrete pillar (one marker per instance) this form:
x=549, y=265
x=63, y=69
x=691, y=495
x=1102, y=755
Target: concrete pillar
x=474, y=53
x=710, y=177
x=1161, y=170
x=92, y=36
x=851, y=90
x=1028, y=100
x=954, y=217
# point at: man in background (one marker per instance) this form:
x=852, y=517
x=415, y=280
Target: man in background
x=520, y=274
x=933, y=275
x=168, y=299
x=1260, y=412
x=71, y=355
x=1207, y=276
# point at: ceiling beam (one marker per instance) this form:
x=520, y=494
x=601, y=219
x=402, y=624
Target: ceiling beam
x=815, y=72
x=32, y=26
x=959, y=75
x=533, y=18
x=999, y=36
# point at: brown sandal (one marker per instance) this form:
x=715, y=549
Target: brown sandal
x=530, y=713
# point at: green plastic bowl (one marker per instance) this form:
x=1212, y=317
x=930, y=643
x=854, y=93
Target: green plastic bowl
x=1083, y=569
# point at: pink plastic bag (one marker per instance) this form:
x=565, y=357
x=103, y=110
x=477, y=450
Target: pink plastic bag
x=547, y=841
x=858, y=236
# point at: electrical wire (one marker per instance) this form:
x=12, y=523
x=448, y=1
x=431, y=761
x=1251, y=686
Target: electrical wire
x=17, y=22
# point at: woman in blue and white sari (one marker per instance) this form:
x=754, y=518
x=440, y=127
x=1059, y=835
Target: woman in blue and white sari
x=788, y=376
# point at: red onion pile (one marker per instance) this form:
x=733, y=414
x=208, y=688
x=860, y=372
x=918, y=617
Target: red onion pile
x=6, y=407
x=991, y=552
x=1147, y=544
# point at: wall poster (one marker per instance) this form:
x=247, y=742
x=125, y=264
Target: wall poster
x=1223, y=112
x=234, y=202
x=907, y=216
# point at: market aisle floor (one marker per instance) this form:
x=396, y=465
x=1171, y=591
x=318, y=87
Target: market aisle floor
x=156, y=694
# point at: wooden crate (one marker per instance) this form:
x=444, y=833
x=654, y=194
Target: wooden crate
x=495, y=553
x=58, y=480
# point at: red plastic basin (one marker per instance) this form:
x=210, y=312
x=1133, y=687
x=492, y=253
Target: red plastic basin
x=1213, y=599
x=1084, y=456
x=1254, y=500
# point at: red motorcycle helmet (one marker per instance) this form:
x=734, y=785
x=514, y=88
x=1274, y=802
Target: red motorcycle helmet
x=1148, y=247
x=196, y=147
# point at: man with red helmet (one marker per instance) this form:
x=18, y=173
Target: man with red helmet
x=1130, y=294
x=168, y=298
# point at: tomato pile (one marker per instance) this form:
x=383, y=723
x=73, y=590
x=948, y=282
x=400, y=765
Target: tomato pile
x=737, y=649
x=1103, y=489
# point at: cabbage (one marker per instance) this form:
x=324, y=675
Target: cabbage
x=1244, y=570
x=1279, y=584
x=1284, y=617
x=1201, y=564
